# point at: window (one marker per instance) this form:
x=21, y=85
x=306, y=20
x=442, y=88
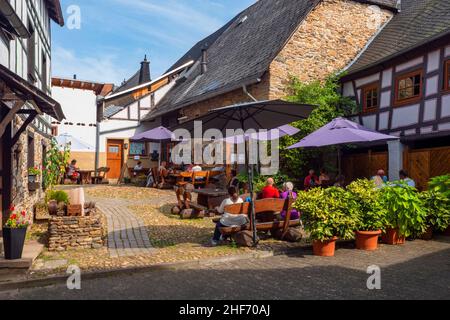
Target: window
x=138, y=149
x=370, y=98
x=408, y=87
x=447, y=75
x=113, y=149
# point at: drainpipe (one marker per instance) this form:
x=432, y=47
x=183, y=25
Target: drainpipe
x=97, y=137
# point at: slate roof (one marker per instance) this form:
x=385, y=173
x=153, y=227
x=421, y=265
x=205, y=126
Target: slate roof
x=240, y=55
x=390, y=4
x=418, y=22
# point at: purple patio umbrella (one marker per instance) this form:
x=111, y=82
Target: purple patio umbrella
x=339, y=132
x=155, y=135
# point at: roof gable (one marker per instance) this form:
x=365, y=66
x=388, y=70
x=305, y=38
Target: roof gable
x=241, y=54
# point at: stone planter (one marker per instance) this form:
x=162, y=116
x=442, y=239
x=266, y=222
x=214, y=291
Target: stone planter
x=68, y=233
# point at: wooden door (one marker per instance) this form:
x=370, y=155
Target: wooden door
x=419, y=168
x=114, y=154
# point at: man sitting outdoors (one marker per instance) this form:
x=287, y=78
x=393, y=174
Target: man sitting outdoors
x=269, y=191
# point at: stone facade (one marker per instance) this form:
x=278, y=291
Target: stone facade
x=326, y=42
x=67, y=233
x=331, y=36
x=22, y=198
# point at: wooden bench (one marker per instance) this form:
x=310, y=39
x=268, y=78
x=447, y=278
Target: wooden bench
x=266, y=211
x=100, y=176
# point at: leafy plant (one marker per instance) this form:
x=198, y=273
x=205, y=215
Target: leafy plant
x=365, y=198
x=58, y=196
x=326, y=213
x=34, y=171
x=405, y=209
x=17, y=220
x=441, y=184
x=437, y=206
x=55, y=164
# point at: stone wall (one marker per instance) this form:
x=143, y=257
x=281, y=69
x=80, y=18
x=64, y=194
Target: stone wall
x=22, y=198
x=330, y=38
x=67, y=233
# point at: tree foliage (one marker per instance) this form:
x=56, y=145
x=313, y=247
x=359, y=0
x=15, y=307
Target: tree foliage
x=329, y=103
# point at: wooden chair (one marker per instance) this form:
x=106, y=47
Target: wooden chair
x=100, y=176
x=200, y=178
x=266, y=211
x=185, y=178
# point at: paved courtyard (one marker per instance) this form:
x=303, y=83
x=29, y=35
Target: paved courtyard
x=417, y=270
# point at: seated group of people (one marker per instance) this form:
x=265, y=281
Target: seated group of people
x=324, y=180
x=269, y=192
x=381, y=179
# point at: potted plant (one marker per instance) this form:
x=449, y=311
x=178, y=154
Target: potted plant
x=441, y=185
x=437, y=206
x=14, y=233
x=371, y=216
x=33, y=173
x=327, y=217
x=406, y=215
x=56, y=201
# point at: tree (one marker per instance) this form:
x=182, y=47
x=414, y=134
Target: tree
x=55, y=164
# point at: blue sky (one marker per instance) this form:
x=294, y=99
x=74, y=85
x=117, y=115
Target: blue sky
x=116, y=34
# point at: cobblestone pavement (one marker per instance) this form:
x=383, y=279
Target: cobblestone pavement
x=417, y=270
x=127, y=234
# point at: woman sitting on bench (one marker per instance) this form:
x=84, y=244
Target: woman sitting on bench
x=288, y=192
x=227, y=219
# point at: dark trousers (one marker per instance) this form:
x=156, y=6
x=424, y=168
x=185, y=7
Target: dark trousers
x=217, y=233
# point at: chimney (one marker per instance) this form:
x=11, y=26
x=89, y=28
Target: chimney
x=74, y=77
x=204, y=63
x=144, y=74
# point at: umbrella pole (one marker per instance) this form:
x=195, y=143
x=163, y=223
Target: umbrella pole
x=339, y=151
x=250, y=186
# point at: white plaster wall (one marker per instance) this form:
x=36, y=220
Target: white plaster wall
x=405, y=116
x=433, y=61
x=446, y=106
x=409, y=64
x=387, y=78
x=429, y=112
x=432, y=85
x=367, y=80
x=348, y=90
x=79, y=106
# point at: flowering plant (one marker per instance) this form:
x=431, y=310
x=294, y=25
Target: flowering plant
x=17, y=220
x=34, y=171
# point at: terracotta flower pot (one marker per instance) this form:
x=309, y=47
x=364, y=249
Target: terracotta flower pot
x=392, y=237
x=53, y=207
x=325, y=248
x=367, y=240
x=428, y=235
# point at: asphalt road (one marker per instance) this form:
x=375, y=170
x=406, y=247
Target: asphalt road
x=418, y=270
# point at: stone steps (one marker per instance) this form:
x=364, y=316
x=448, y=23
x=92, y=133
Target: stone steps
x=16, y=269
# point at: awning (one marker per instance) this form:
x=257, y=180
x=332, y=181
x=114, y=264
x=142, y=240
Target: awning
x=27, y=92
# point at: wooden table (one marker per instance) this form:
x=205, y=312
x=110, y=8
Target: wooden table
x=211, y=198
x=86, y=176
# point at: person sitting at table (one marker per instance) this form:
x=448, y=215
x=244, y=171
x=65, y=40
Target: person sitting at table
x=288, y=192
x=380, y=179
x=197, y=168
x=311, y=180
x=229, y=220
x=73, y=172
x=340, y=181
x=269, y=191
x=324, y=178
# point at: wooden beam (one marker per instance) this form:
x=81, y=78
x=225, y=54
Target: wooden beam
x=10, y=116
x=24, y=126
x=6, y=170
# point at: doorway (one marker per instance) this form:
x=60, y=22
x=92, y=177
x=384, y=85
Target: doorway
x=114, y=156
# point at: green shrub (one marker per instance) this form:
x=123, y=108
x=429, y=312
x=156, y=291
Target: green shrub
x=365, y=198
x=326, y=213
x=441, y=185
x=58, y=196
x=437, y=207
x=405, y=209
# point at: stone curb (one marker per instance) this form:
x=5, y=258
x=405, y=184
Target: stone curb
x=60, y=279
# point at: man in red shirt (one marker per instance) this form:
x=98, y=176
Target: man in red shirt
x=269, y=191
